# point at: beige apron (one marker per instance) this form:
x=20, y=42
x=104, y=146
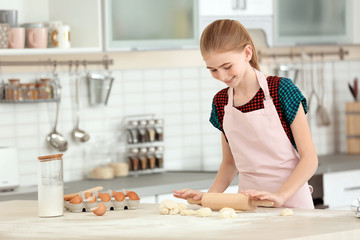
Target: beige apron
x=262, y=152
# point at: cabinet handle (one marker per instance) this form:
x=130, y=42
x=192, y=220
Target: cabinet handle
x=239, y=4
x=352, y=188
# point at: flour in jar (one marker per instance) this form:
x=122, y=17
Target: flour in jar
x=51, y=201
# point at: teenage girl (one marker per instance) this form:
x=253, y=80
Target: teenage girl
x=265, y=135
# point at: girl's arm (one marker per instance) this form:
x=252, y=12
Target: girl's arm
x=304, y=170
x=223, y=179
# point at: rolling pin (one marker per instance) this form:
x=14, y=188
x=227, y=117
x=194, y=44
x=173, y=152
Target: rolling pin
x=237, y=201
x=67, y=197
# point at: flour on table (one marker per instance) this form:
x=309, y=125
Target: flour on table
x=227, y=213
x=286, y=212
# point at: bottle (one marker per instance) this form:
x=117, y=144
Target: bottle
x=159, y=129
x=50, y=186
x=13, y=93
x=48, y=87
x=151, y=130
x=143, y=158
x=159, y=155
x=151, y=157
x=142, y=132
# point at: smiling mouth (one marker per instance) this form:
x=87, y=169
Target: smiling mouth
x=227, y=82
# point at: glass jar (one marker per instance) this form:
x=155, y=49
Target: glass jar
x=33, y=91
x=143, y=158
x=49, y=89
x=50, y=186
x=159, y=155
x=134, y=159
x=41, y=89
x=159, y=129
x=151, y=130
x=151, y=157
x=13, y=91
x=142, y=131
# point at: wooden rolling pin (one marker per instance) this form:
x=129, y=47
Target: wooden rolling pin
x=237, y=201
x=67, y=197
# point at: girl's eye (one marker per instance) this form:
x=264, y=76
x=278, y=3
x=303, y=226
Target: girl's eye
x=213, y=70
x=227, y=68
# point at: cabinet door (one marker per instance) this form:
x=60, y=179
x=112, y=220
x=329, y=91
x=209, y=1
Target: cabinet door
x=341, y=188
x=312, y=22
x=235, y=7
x=141, y=24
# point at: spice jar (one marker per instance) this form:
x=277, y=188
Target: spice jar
x=159, y=155
x=134, y=159
x=41, y=88
x=50, y=186
x=159, y=129
x=151, y=157
x=32, y=91
x=48, y=87
x=132, y=136
x=142, y=131
x=150, y=128
x=143, y=158
x=13, y=90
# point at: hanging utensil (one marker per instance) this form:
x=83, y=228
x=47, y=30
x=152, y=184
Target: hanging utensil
x=78, y=134
x=323, y=118
x=55, y=139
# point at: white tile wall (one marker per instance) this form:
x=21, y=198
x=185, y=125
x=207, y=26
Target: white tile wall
x=182, y=96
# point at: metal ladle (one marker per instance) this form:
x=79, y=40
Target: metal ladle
x=78, y=134
x=55, y=139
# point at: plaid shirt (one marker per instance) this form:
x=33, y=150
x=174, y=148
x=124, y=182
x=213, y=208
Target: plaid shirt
x=286, y=98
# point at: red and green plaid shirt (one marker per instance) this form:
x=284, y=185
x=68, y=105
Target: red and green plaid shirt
x=286, y=97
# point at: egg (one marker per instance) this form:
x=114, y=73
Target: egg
x=87, y=195
x=132, y=195
x=114, y=193
x=76, y=200
x=99, y=210
x=119, y=196
x=105, y=197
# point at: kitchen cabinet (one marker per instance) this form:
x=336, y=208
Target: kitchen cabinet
x=83, y=17
x=316, y=22
x=155, y=24
x=254, y=14
x=341, y=188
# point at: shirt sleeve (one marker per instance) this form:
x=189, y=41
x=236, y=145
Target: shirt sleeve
x=290, y=98
x=214, y=117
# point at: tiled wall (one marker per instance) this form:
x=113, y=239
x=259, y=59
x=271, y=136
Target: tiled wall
x=182, y=96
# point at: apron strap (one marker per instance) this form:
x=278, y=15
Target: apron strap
x=231, y=97
x=263, y=84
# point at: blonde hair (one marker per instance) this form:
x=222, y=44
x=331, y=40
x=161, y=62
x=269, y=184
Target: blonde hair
x=227, y=35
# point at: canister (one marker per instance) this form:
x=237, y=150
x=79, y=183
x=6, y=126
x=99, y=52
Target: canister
x=50, y=186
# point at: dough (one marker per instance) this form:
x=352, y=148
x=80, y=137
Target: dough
x=286, y=212
x=227, y=213
x=187, y=212
x=169, y=207
x=204, y=212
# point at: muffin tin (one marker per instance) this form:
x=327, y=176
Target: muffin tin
x=113, y=204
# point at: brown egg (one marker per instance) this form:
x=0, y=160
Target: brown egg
x=76, y=200
x=87, y=195
x=132, y=195
x=105, y=197
x=119, y=196
x=99, y=210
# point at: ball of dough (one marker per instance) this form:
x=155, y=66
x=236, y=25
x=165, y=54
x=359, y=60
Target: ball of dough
x=286, y=212
x=168, y=204
x=227, y=213
x=204, y=212
x=169, y=207
x=164, y=211
x=187, y=212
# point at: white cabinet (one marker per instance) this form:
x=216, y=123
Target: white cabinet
x=83, y=17
x=155, y=24
x=235, y=7
x=253, y=14
x=341, y=188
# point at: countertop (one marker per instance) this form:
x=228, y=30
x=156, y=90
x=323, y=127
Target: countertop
x=165, y=183
x=19, y=220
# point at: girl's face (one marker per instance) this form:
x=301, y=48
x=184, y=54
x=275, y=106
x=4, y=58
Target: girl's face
x=229, y=67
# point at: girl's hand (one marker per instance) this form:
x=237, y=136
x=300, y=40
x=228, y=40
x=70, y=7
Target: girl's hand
x=188, y=193
x=277, y=198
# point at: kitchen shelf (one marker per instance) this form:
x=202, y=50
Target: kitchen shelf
x=48, y=51
x=30, y=101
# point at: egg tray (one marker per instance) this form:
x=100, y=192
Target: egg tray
x=110, y=205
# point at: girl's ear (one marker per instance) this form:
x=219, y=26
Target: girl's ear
x=248, y=52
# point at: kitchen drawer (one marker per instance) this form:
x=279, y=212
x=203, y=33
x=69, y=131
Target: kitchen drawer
x=341, y=188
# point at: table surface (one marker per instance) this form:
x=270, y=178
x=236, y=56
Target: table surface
x=19, y=220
